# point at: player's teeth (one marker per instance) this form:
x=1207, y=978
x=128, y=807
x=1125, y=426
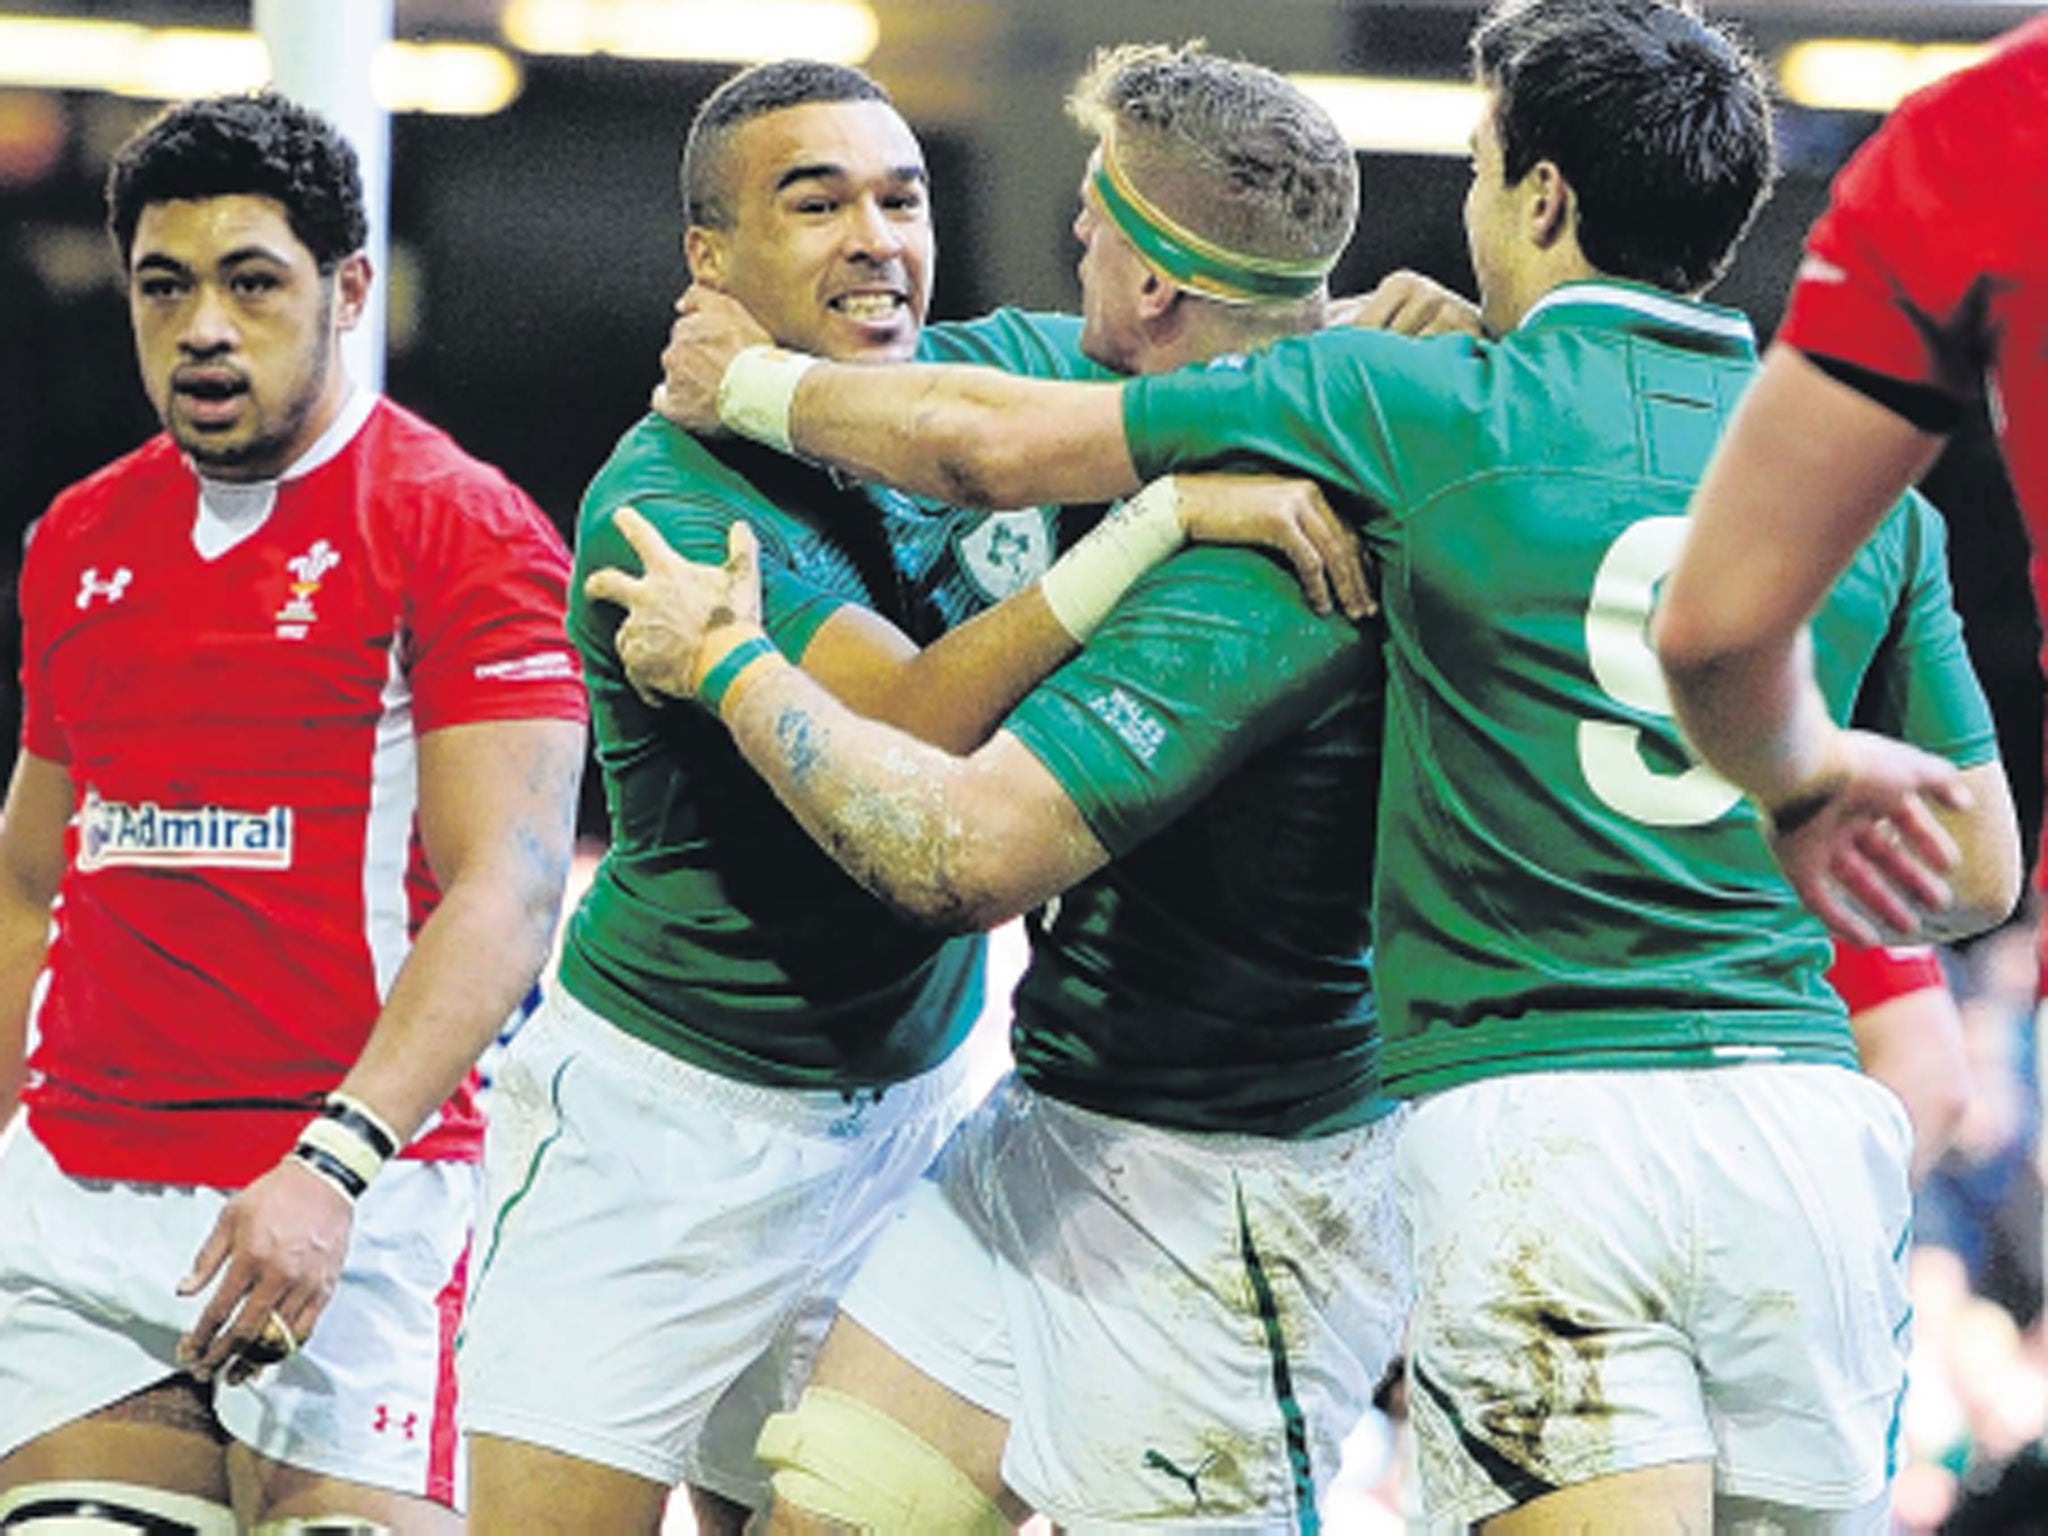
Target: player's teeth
x=868, y=306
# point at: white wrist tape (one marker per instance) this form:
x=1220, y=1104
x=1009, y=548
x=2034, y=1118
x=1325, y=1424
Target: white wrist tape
x=755, y=392
x=347, y=1144
x=1085, y=582
x=372, y=1126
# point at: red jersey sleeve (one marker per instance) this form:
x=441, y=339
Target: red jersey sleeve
x=486, y=614
x=41, y=734
x=1906, y=270
x=1874, y=291
x=1866, y=977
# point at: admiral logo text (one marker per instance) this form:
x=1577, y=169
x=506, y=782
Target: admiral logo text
x=111, y=833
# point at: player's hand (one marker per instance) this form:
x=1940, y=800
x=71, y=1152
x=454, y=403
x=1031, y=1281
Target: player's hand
x=277, y=1250
x=1409, y=304
x=1863, y=847
x=1289, y=517
x=681, y=615
x=710, y=330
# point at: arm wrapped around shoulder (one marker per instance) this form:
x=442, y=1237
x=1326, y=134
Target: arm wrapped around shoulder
x=1085, y=582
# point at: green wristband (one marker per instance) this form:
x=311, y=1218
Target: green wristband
x=719, y=680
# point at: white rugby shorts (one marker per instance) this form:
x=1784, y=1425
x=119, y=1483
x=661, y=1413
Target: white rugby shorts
x=1180, y=1328
x=664, y=1246
x=89, y=1313
x=1618, y=1270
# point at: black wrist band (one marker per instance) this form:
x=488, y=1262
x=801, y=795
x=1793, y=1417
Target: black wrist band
x=361, y=1126
x=1798, y=811
x=332, y=1169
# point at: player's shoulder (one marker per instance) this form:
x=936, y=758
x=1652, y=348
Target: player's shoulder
x=121, y=482
x=1907, y=549
x=1037, y=343
x=1913, y=525
x=1930, y=151
x=126, y=488
x=693, y=490
x=655, y=459
x=1218, y=587
x=1401, y=372
x=428, y=480
x=1996, y=101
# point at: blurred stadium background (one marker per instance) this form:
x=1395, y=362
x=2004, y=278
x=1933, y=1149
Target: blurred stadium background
x=534, y=251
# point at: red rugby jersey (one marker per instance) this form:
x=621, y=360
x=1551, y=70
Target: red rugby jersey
x=1866, y=977
x=1930, y=266
x=237, y=693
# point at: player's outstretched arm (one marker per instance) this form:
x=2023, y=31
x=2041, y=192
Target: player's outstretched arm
x=954, y=692
x=957, y=842
x=973, y=437
x=39, y=801
x=1807, y=470
x=497, y=809
x=703, y=390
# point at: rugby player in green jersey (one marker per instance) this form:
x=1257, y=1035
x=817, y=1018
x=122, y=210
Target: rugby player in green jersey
x=1155, y=1278
x=1658, y=1216
x=745, y=1060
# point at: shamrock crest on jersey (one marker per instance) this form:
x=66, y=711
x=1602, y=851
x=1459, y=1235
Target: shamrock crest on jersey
x=1006, y=551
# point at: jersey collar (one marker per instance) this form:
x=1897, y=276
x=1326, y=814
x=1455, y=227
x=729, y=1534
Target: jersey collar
x=230, y=511
x=1637, y=306
x=348, y=421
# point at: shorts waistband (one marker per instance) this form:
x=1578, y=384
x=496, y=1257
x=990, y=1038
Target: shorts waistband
x=817, y=1111
x=1295, y=1152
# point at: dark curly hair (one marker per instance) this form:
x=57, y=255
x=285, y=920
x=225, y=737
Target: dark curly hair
x=262, y=144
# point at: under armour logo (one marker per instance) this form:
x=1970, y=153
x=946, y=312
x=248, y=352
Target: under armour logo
x=90, y=586
x=384, y=1421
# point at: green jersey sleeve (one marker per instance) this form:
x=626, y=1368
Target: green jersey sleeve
x=1208, y=659
x=693, y=498
x=1318, y=406
x=1026, y=342
x=1921, y=685
x=792, y=609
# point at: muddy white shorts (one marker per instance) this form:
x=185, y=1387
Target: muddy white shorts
x=89, y=1313
x=665, y=1246
x=1617, y=1270
x=1180, y=1328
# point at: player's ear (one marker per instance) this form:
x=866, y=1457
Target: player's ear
x=351, y=289
x=706, y=252
x=1156, y=296
x=1550, y=202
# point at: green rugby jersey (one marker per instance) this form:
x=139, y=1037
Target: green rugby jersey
x=714, y=929
x=1223, y=744
x=1560, y=885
